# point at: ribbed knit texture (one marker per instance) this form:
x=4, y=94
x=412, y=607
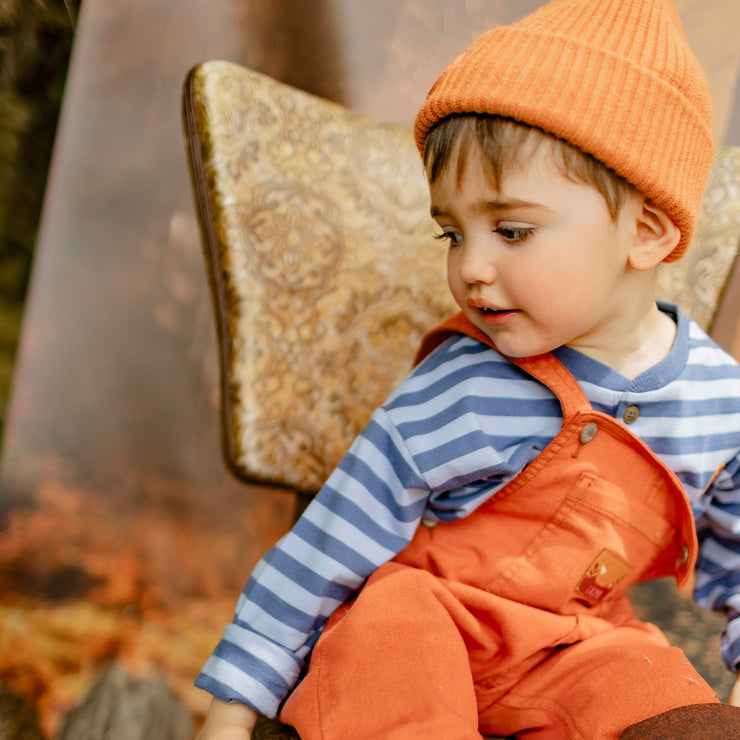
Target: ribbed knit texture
x=616, y=78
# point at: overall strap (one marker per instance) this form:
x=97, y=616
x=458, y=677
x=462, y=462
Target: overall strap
x=545, y=368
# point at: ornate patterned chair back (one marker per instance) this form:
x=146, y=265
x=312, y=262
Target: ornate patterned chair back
x=324, y=271
x=323, y=267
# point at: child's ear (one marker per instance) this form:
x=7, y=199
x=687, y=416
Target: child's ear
x=656, y=237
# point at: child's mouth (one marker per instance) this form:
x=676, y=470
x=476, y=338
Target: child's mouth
x=494, y=311
x=496, y=316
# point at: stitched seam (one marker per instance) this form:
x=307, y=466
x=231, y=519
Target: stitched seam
x=548, y=705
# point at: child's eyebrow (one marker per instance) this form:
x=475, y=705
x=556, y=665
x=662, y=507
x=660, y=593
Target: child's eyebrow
x=496, y=205
x=508, y=205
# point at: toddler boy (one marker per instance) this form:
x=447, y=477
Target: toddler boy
x=462, y=570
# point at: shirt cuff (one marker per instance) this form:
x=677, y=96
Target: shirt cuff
x=248, y=668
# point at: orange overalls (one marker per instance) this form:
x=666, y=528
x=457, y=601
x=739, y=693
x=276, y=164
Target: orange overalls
x=512, y=619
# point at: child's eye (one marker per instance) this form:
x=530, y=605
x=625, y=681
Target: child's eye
x=513, y=234
x=454, y=237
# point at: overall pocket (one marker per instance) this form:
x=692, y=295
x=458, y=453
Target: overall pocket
x=598, y=541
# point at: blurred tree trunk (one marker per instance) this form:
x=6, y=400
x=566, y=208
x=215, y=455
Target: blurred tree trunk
x=121, y=707
x=35, y=44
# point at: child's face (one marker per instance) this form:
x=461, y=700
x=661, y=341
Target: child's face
x=538, y=263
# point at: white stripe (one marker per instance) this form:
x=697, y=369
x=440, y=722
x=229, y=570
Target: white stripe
x=263, y=622
x=476, y=460
x=494, y=427
x=347, y=533
x=711, y=425
x=319, y=562
x=489, y=390
x=704, y=390
x=720, y=555
x=300, y=598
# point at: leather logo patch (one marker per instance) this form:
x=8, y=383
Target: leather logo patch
x=605, y=572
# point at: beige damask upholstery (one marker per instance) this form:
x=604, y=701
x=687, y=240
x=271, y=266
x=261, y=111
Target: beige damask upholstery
x=323, y=266
x=698, y=280
x=325, y=273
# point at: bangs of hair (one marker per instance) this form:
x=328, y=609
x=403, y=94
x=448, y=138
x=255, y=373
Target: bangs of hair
x=506, y=144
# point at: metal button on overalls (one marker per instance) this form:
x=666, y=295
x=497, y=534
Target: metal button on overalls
x=684, y=557
x=589, y=432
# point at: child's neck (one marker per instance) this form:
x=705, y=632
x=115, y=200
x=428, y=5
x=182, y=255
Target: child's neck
x=645, y=344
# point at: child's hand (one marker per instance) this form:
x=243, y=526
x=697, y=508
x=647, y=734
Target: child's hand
x=227, y=721
x=735, y=694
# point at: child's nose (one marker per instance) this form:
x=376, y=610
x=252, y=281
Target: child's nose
x=476, y=264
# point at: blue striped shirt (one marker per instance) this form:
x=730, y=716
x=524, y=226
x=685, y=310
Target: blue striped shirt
x=457, y=429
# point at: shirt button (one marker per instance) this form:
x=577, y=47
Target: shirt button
x=589, y=432
x=631, y=414
x=429, y=522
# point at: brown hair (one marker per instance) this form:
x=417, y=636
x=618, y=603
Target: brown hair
x=503, y=142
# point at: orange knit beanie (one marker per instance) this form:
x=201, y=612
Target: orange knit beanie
x=616, y=78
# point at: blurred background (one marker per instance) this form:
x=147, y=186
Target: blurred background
x=35, y=44
x=123, y=540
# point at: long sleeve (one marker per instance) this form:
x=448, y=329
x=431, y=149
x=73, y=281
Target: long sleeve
x=406, y=464
x=365, y=514
x=718, y=570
